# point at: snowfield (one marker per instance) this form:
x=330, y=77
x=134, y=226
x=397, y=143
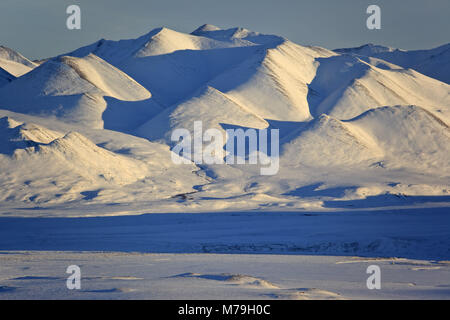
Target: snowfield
x=229, y=255
x=107, y=275
x=87, y=177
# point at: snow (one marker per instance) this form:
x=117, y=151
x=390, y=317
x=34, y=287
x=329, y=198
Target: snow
x=366, y=50
x=410, y=135
x=14, y=63
x=80, y=169
x=5, y=77
x=364, y=165
x=235, y=35
x=78, y=84
x=204, y=256
x=431, y=62
x=347, y=122
x=41, y=275
x=361, y=86
x=224, y=110
x=11, y=55
x=268, y=85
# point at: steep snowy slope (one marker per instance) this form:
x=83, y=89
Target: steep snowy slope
x=14, y=62
x=399, y=137
x=329, y=142
x=170, y=64
x=71, y=76
x=345, y=86
x=158, y=41
x=167, y=41
x=174, y=77
x=268, y=75
x=32, y=143
x=174, y=66
x=42, y=165
x=72, y=89
x=210, y=106
x=352, y=124
x=432, y=62
x=111, y=81
x=274, y=83
x=5, y=77
x=410, y=136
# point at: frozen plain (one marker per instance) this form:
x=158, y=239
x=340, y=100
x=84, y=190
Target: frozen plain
x=229, y=255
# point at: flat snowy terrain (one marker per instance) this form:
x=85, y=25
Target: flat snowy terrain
x=39, y=274
x=229, y=255
x=87, y=172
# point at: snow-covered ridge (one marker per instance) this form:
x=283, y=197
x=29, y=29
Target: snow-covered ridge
x=360, y=121
x=14, y=63
x=431, y=62
x=5, y=77
x=71, y=89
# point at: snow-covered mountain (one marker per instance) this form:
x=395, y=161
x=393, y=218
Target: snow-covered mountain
x=354, y=123
x=46, y=166
x=72, y=89
x=15, y=63
x=431, y=62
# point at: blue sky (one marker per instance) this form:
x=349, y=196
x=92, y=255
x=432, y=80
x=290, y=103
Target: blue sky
x=37, y=28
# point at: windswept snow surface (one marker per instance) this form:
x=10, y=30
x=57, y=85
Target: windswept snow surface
x=88, y=134
x=229, y=255
x=113, y=275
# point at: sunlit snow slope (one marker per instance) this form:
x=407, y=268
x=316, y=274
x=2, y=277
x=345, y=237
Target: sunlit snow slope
x=432, y=62
x=90, y=131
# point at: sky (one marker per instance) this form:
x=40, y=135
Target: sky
x=37, y=28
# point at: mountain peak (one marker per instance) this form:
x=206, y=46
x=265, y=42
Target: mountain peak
x=205, y=28
x=11, y=55
x=14, y=63
x=366, y=49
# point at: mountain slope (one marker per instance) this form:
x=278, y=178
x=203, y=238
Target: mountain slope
x=158, y=41
x=214, y=108
x=170, y=64
x=76, y=162
x=353, y=126
x=410, y=136
x=432, y=62
x=174, y=66
x=74, y=166
x=329, y=142
x=235, y=35
x=361, y=86
x=72, y=89
x=400, y=137
x=274, y=83
x=5, y=77
x=14, y=63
